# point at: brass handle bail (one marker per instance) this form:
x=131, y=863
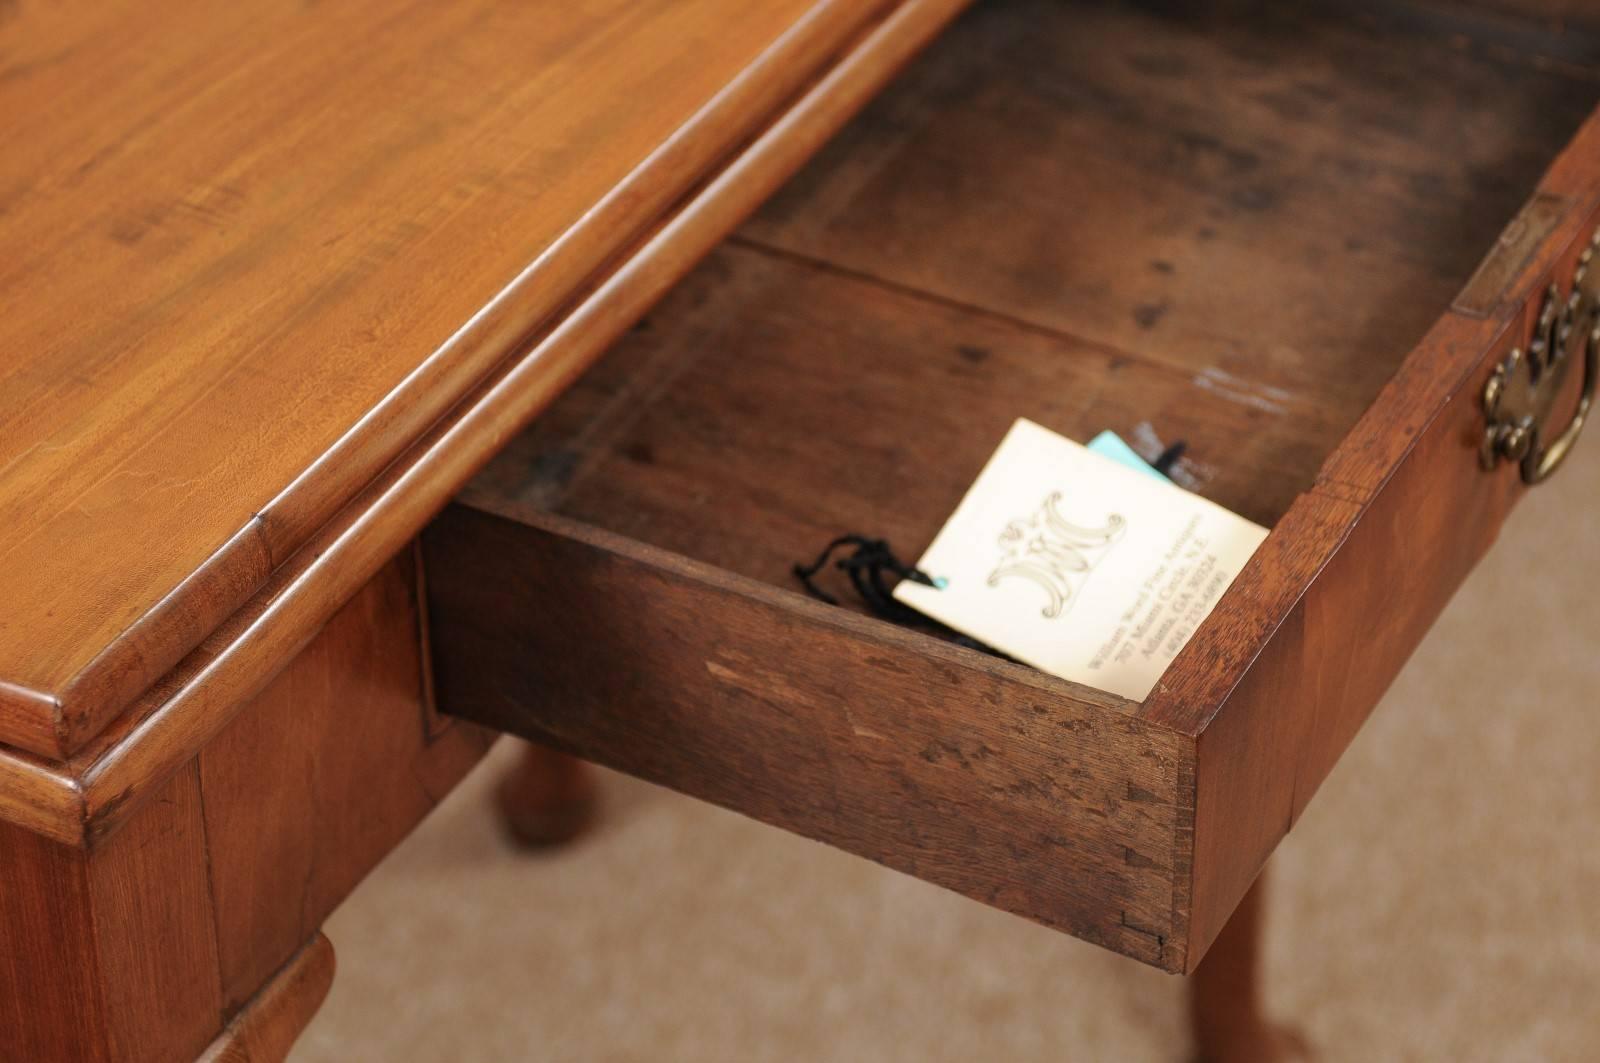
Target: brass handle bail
x=1519, y=395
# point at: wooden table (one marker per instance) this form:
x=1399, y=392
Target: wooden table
x=280, y=281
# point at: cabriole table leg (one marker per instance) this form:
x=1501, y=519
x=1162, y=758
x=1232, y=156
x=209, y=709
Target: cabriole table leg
x=1225, y=1011
x=548, y=799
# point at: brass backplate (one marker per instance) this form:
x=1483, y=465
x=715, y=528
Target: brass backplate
x=1524, y=388
x=1536, y=220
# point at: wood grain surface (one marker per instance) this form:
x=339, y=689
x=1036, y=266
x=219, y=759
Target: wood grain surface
x=137, y=948
x=267, y=1028
x=1048, y=217
x=248, y=263
x=1554, y=15
x=1278, y=680
x=850, y=359
x=983, y=776
x=110, y=955
x=1277, y=199
x=801, y=402
x=98, y=787
x=321, y=775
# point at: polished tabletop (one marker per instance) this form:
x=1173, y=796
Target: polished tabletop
x=249, y=251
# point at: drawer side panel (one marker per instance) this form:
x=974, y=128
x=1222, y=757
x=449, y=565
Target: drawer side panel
x=1357, y=571
x=981, y=776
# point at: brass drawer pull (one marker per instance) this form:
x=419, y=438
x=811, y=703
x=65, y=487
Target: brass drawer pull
x=1522, y=389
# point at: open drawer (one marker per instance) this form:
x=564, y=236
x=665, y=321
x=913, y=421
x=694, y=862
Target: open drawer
x=1261, y=236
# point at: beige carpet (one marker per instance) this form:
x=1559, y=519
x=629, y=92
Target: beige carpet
x=1439, y=901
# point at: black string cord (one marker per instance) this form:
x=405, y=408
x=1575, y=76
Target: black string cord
x=866, y=568
x=869, y=569
x=1168, y=458
x=874, y=562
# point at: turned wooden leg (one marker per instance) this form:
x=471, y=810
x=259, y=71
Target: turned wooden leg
x=548, y=798
x=1225, y=996
x=269, y=1025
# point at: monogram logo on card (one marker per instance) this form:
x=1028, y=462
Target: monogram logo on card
x=1052, y=552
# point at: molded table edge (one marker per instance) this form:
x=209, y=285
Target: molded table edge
x=189, y=705
x=58, y=723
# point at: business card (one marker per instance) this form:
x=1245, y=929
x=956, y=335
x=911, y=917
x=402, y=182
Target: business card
x=1079, y=565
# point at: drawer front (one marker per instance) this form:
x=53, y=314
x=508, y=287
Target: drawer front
x=982, y=776
x=1278, y=681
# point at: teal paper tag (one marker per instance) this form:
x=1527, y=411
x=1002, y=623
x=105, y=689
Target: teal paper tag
x=1110, y=445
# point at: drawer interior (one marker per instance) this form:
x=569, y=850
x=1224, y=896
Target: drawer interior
x=1215, y=225
x=1223, y=224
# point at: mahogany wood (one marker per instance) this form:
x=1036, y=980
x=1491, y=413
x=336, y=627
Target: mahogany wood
x=1557, y=15
x=251, y=261
x=1278, y=680
x=100, y=785
x=862, y=390
x=275, y=1017
x=980, y=775
x=847, y=363
x=253, y=373
x=1276, y=199
x=548, y=799
x=321, y=775
x=111, y=954
x=800, y=402
x=1226, y=1013
x=137, y=946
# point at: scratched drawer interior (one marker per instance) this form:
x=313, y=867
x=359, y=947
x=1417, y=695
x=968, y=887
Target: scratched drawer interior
x=1180, y=227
